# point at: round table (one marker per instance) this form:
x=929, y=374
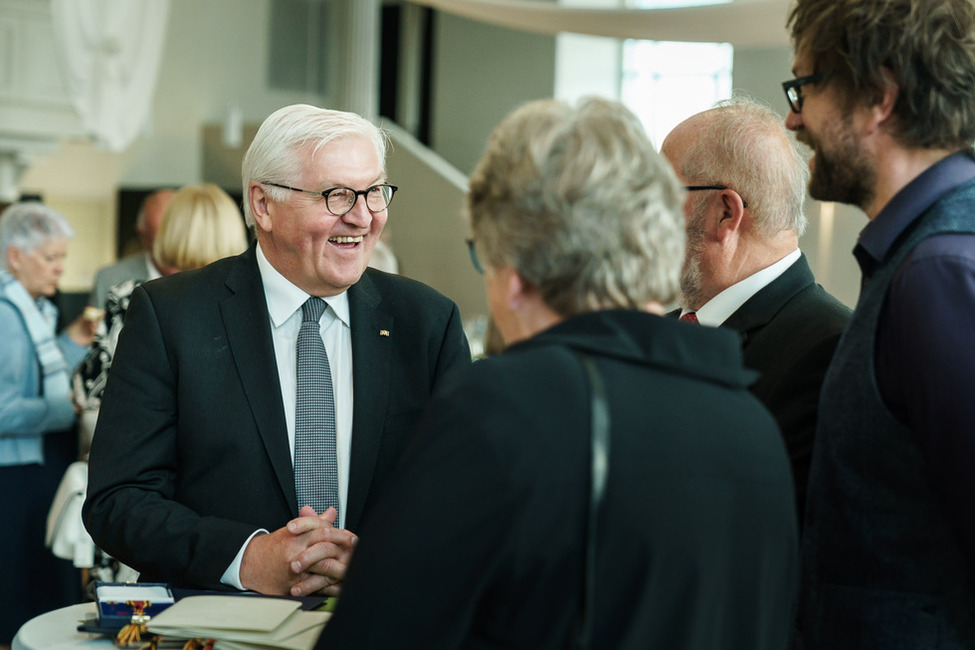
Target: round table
x=58, y=630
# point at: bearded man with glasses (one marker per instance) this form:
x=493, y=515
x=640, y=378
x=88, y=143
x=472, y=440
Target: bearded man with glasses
x=884, y=96
x=255, y=406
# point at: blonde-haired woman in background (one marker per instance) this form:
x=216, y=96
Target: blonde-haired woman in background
x=201, y=224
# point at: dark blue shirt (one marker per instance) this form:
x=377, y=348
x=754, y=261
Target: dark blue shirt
x=925, y=354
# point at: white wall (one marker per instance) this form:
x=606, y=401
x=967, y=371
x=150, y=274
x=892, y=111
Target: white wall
x=427, y=228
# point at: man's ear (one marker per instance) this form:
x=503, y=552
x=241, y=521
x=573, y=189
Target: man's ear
x=732, y=213
x=882, y=109
x=516, y=288
x=14, y=256
x=258, y=199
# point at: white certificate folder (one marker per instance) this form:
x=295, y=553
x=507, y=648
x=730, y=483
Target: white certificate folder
x=242, y=622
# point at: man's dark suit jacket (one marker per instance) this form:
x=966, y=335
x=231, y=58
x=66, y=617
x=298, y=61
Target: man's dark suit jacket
x=789, y=331
x=480, y=542
x=191, y=455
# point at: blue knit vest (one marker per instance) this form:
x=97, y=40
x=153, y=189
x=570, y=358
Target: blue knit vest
x=881, y=565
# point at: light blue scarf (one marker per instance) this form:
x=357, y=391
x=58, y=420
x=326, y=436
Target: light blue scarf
x=41, y=318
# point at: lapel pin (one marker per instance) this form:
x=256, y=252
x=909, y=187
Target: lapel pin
x=383, y=332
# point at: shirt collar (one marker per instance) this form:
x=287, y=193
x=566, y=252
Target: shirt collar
x=151, y=271
x=879, y=235
x=717, y=310
x=284, y=298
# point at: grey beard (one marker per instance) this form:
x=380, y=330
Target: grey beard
x=691, y=291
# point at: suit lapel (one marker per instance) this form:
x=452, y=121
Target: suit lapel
x=372, y=339
x=764, y=305
x=246, y=320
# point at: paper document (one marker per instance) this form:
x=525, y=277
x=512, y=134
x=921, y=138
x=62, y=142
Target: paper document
x=242, y=622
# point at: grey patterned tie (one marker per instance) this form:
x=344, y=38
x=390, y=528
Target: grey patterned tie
x=316, y=471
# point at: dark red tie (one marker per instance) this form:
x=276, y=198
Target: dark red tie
x=689, y=317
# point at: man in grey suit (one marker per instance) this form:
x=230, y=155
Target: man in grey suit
x=137, y=266
x=743, y=269
x=193, y=464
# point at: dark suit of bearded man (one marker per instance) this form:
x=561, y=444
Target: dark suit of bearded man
x=743, y=267
x=192, y=452
x=789, y=331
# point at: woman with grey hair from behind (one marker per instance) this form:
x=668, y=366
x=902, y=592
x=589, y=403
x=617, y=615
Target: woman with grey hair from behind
x=607, y=481
x=586, y=215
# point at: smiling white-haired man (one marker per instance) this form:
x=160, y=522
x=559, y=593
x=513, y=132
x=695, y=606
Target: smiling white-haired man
x=256, y=405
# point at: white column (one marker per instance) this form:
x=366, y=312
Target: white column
x=360, y=65
x=410, y=59
x=10, y=172
x=16, y=155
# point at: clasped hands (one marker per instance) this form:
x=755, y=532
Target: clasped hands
x=307, y=556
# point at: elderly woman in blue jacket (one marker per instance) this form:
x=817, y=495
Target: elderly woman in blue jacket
x=36, y=412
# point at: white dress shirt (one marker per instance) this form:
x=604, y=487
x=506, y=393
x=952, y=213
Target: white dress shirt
x=284, y=301
x=717, y=310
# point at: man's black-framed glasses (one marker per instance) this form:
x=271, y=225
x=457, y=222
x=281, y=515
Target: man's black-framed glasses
x=793, y=89
x=699, y=188
x=474, y=259
x=340, y=200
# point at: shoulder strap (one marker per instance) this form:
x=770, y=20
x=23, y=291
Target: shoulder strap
x=599, y=470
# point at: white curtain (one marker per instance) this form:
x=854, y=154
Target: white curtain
x=109, y=53
x=750, y=23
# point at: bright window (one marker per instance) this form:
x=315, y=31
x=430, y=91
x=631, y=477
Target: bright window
x=664, y=83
